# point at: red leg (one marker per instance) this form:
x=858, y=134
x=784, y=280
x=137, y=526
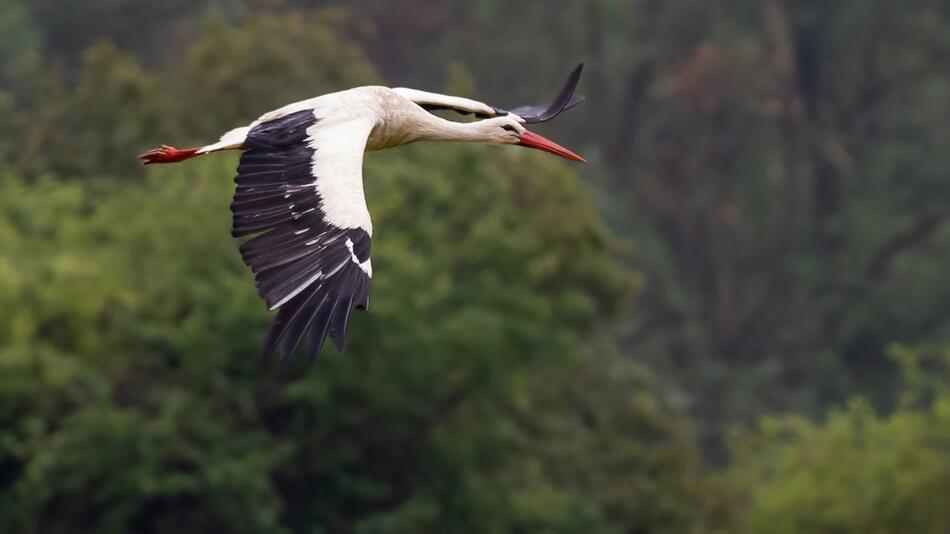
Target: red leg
x=167, y=154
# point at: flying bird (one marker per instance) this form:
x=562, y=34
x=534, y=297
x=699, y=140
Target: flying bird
x=300, y=192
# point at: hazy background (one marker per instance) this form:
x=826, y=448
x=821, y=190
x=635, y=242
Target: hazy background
x=735, y=319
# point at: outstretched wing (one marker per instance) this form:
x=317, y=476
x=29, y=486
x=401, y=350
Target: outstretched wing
x=565, y=100
x=300, y=189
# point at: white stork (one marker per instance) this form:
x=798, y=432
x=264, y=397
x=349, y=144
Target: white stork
x=300, y=189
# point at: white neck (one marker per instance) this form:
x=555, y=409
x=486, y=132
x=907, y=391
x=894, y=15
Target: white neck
x=405, y=122
x=429, y=127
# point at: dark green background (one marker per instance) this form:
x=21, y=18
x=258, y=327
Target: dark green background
x=734, y=320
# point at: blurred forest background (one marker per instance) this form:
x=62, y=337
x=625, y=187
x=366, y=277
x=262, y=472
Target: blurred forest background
x=735, y=319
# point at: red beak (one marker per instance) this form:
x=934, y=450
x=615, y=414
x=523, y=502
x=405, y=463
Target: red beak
x=533, y=140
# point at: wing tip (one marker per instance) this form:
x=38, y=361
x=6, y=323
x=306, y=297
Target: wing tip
x=565, y=100
x=317, y=317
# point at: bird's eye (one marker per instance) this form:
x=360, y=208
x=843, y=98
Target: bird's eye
x=508, y=127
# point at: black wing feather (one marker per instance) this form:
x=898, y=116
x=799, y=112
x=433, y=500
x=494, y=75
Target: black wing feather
x=536, y=114
x=306, y=267
x=341, y=312
x=301, y=322
x=318, y=328
x=565, y=100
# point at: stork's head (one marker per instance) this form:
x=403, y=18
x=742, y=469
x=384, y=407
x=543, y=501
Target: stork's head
x=510, y=130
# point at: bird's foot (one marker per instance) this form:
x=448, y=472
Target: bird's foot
x=167, y=154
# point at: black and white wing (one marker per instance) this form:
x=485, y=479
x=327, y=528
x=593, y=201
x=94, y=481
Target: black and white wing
x=565, y=100
x=300, y=190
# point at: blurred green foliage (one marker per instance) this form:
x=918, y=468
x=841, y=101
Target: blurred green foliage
x=858, y=471
x=776, y=171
